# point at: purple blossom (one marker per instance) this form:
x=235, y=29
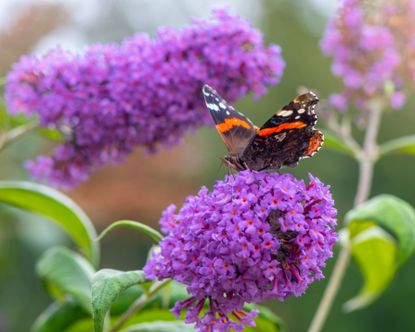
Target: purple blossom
x=339, y=101
x=397, y=99
x=372, y=46
x=255, y=236
x=113, y=98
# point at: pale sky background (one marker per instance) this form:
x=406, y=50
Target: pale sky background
x=136, y=15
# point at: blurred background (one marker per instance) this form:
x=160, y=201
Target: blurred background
x=142, y=186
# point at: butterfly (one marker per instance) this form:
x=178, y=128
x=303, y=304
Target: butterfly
x=288, y=136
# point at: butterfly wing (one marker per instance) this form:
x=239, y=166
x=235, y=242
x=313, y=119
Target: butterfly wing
x=299, y=113
x=287, y=137
x=235, y=129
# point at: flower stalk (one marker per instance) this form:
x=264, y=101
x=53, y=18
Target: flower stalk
x=366, y=159
x=139, y=304
x=14, y=134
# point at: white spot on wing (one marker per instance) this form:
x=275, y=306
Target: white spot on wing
x=301, y=111
x=285, y=113
x=213, y=107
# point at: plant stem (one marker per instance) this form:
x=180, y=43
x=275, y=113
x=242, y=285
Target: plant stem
x=139, y=303
x=367, y=158
x=343, y=131
x=15, y=134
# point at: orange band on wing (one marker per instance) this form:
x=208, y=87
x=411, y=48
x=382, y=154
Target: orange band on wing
x=314, y=145
x=281, y=127
x=228, y=124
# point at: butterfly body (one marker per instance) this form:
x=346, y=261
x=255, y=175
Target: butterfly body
x=288, y=136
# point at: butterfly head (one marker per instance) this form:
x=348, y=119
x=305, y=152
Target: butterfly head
x=306, y=102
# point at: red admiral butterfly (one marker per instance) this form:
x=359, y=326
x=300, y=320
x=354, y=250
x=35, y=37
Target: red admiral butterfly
x=283, y=140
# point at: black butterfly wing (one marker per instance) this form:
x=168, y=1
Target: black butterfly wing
x=287, y=136
x=235, y=129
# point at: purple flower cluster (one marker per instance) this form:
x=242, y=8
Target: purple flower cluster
x=113, y=98
x=255, y=236
x=370, y=45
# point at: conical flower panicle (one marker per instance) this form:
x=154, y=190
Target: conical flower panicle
x=373, y=47
x=145, y=92
x=255, y=236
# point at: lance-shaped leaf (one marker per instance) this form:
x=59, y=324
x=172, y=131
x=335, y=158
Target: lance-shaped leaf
x=334, y=143
x=55, y=206
x=375, y=252
x=107, y=284
x=126, y=299
x=392, y=214
x=382, y=237
x=266, y=321
x=405, y=144
x=159, y=326
x=50, y=133
x=66, y=273
x=163, y=320
x=59, y=316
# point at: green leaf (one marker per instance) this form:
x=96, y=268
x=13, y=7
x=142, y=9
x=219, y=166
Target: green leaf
x=153, y=316
x=107, y=285
x=265, y=316
x=166, y=298
x=17, y=120
x=3, y=117
x=55, y=206
x=163, y=320
x=334, y=143
x=172, y=293
x=172, y=326
x=126, y=299
x=391, y=213
x=382, y=237
x=59, y=316
x=150, y=315
x=85, y=325
x=262, y=325
x=405, y=144
x=142, y=228
x=50, y=133
x=374, y=251
x=67, y=273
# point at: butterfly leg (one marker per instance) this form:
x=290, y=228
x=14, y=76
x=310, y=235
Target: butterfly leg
x=245, y=165
x=293, y=164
